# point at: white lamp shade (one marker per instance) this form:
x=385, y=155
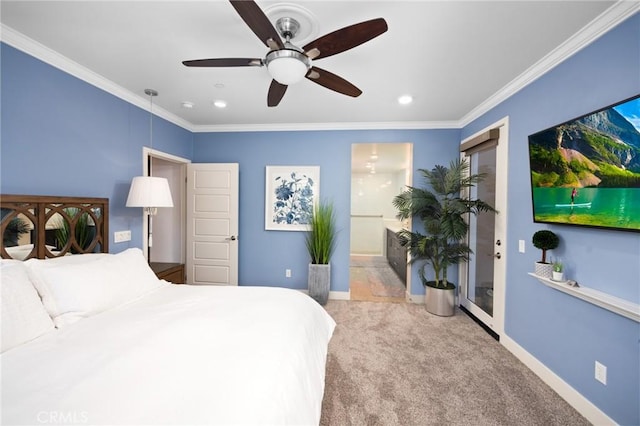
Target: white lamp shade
x=149, y=191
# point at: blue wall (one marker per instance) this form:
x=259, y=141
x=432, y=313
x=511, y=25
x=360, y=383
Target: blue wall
x=568, y=335
x=62, y=136
x=264, y=255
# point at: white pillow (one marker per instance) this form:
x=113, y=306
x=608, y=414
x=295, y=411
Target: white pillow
x=20, y=252
x=72, y=291
x=23, y=316
x=67, y=260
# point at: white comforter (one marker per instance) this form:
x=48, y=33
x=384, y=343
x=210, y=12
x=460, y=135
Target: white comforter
x=182, y=355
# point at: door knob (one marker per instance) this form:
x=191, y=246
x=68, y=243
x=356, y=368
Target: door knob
x=498, y=242
x=231, y=238
x=497, y=255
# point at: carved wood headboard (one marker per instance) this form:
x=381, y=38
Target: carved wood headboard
x=44, y=226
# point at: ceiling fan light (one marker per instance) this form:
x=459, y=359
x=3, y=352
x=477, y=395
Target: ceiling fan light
x=287, y=66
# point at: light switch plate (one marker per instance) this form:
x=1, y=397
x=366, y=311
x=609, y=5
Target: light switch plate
x=521, y=246
x=601, y=373
x=121, y=236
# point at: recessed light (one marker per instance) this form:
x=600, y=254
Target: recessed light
x=220, y=104
x=405, y=99
x=219, y=86
x=187, y=104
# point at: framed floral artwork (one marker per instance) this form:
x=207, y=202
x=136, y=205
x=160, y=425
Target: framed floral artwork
x=291, y=194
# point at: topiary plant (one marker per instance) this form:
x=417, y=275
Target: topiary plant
x=545, y=240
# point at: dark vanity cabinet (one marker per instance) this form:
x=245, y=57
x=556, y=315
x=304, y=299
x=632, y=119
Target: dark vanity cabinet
x=397, y=256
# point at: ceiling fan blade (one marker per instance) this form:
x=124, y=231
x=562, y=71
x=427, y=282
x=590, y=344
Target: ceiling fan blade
x=276, y=92
x=347, y=37
x=255, y=18
x=224, y=62
x=333, y=82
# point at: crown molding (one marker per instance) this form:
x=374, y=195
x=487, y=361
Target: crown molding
x=613, y=16
x=607, y=20
x=292, y=127
x=49, y=56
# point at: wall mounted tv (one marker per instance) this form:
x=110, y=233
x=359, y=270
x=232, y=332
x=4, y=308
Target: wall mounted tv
x=586, y=171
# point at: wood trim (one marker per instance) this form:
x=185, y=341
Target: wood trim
x=489, y=135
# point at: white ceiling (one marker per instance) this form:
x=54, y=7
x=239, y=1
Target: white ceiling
x=454, y=57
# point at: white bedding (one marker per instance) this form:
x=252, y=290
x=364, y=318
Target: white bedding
x=184, y=355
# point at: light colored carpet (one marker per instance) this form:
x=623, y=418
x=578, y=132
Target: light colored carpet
x=396, y=364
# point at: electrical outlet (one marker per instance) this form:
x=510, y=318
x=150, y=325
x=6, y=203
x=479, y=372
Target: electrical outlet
x=601, y=373
x=121, y=236
x=287, y=273
x=521, y=246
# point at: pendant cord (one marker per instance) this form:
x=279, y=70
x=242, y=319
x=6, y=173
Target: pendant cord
x=151, y=93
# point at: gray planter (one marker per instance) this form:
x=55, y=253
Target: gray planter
x=319, y=282
x=440, y=301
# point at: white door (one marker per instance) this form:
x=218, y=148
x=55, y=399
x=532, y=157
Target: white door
x=212, y=224
x=483, y=277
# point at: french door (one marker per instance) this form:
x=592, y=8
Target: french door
x=483, y=277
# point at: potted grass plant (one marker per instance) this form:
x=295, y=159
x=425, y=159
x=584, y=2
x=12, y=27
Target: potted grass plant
x=442, y=207
x=320, y=242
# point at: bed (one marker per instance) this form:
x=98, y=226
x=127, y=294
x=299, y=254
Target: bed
x=96, y=338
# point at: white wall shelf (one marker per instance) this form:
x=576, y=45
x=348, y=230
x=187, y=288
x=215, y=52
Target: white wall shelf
x=614, y=304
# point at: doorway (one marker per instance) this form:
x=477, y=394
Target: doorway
x=167, y=226
x=483, y=277
x=378, y=266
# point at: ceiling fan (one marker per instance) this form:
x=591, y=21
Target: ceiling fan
x=288, y=63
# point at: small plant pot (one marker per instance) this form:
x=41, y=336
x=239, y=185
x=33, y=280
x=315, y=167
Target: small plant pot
x=544, y=270
x=557, y=276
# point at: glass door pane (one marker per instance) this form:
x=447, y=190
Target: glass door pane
x=482, y=233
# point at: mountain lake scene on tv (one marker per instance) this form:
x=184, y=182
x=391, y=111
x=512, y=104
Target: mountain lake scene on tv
x=587, y=171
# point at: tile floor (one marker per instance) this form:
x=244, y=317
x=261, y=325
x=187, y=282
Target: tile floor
x=371, y=279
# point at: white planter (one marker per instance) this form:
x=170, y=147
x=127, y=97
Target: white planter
x=544, y=270
x=558, y=276
x=319, y=282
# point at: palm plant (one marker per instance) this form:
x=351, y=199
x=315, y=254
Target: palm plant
x=321, y=238
x=443, y=209
x=12, y=232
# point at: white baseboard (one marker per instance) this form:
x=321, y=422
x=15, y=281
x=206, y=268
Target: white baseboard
x=340, y=295
x=416, y=298
x=335, y=295
x=568, y=393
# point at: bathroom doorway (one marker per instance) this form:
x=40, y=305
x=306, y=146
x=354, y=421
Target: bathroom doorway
x=378, y=265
